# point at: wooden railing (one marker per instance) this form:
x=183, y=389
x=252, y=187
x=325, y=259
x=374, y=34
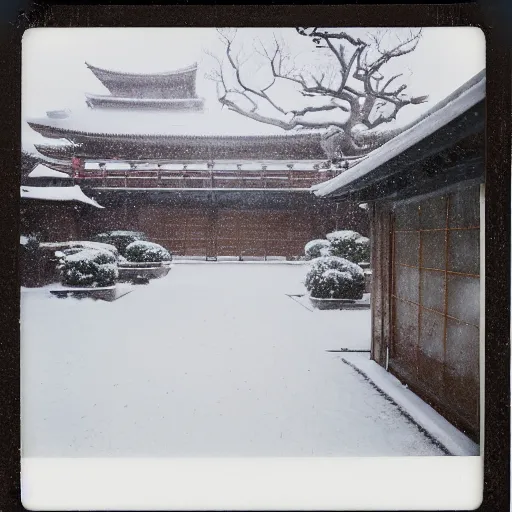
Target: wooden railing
x=200, y=179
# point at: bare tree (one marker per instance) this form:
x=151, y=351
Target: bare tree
x=355, y=93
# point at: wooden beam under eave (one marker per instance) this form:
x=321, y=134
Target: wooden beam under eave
x=414, y=181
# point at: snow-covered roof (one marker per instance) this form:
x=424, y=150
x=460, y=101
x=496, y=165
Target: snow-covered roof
x=147, y=76
x=105, y=100
x=160, y=122
x=461, y=100
x=57, y=194
x=51, y=163
x=42, y=171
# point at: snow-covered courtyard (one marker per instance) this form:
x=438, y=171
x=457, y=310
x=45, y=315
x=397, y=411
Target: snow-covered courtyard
x=216, y=359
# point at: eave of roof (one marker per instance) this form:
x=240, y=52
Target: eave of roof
x=53, y=163
x=106, y=100
x=67, y=133
x=73, y=193
x=461, y=100
x=177, y=72
x=43, y=171
x=128, y=123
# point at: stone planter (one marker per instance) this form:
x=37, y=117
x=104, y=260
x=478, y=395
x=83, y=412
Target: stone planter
x=140, y=272
x=322, y=304
x=107, y=293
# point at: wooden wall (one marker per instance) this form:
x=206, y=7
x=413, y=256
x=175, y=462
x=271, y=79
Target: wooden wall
x=256, y=225
x=425, y=299
x=52, y=221
x=381, y=257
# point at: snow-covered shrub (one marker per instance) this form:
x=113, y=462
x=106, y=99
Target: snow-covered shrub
x=89, y=268
x=120, y=239
x=349, y=245
x=29, y=242
x=331, y=277
x=325, y=251
x=142, y=251
x=317, y=248
x=73, y=247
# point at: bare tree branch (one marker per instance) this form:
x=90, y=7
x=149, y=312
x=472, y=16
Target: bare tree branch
x=389, y=81
x=357, y=112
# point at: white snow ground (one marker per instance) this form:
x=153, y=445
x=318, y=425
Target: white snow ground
x=213, y=360
x=452, y=439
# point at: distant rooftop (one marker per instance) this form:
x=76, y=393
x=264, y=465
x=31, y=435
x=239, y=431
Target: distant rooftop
x=178, y=84
x=150, y=122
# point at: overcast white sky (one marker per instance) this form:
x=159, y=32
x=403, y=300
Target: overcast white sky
x=54, y=75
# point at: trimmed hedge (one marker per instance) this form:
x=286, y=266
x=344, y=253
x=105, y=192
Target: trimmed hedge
x=331, y=277
x=317, y=248
x=119, y=239
x=73, y=247
x=349, y=245
x=89, y=268
x=142, y=252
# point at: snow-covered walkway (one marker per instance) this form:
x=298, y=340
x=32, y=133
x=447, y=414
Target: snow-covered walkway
x=213, y=360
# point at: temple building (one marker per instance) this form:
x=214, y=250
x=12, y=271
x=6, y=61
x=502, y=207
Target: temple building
x=200, y=184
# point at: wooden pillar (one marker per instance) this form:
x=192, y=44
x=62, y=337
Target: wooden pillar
x=211, y=243
x=381, y=287
x=290, y=175
x=125, y=210
x=239, y=176
x=210, y=173
x=264, y=176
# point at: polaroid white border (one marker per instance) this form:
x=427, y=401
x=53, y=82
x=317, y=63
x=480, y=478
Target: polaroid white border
x=359, y=483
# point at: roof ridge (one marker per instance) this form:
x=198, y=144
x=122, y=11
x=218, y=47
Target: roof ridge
x=179, y=71
x=148, y=100
x=312, y=134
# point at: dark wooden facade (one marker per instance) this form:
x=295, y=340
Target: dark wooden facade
x=203, y=224
x=426, y=298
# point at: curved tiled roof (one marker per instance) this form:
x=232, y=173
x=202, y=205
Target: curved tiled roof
x=180, y=83
x=65, y=133
x=303, y=142
x=177, y=104
x=53, y=151
x=296, y=146
x=128, y=122
x=175, y=73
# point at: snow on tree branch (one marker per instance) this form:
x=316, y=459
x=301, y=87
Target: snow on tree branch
x=351, y=100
